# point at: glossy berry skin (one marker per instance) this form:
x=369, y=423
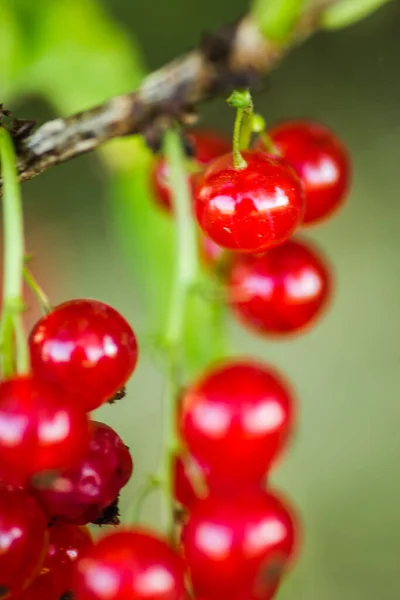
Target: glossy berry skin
x=130, y=565
x=86, y=348
x=40, y=429
x=23, y=540
x=79, y=495
x=66, y=544
x=251, y=209
x=282, y=291
x=321, y=161
x=211, y=255
x=236, y=420
x=237, y=545
x=206, y=146
x=189, y=481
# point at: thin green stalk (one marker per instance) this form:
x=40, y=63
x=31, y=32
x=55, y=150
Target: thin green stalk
x=136, y=510
x=37, y=290
x=13, y=263
x=185, y=277
x=243, y=128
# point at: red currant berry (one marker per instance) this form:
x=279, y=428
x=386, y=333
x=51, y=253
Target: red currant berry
x=236, y=420
x=23, y=540
x=207, y=145
x=237, y=545
x=40, y=429
x=321, y=161
x=67, y=543
x=81, y=494
x=86, y=348
x=190, y=481
x=130, y=565
x=211, y=254
x=281, y=291
x=250, y=209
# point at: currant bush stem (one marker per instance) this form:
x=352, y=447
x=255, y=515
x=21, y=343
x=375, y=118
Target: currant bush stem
x=13, y=244
x=37, y=290
x=184, y=282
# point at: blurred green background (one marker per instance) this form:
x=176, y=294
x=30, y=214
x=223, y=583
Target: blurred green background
x=90, y=235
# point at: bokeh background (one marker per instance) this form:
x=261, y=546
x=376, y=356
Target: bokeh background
x=342, y=471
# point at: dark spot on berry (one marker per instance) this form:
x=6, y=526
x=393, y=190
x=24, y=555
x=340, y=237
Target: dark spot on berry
x=268, y=575
x=4, y=591
x=110, y=515
x=118, y=396
x=67, y=596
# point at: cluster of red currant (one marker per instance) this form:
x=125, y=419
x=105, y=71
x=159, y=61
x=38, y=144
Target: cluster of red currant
x=239, y=536
x=243, y=212
x=59, y=470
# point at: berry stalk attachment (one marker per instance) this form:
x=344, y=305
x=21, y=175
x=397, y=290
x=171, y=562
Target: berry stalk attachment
x=12, y=338
x=242, y=101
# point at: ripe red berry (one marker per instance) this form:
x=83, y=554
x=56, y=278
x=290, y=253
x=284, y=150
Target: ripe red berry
x=130, y=565
x=66, y=544
x=40, y=429
x=23, y=540
x=81, y=494
x=236, y=420
x=190, y=481
x=86, y=348
x=237, y=545
x=281, y=291
x=251, y=209
x=206, y=145
x=211, y=254
x=321, y=161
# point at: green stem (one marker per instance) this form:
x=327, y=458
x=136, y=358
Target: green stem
x=185, y=277
x=37, y=290
x=151, y=486
x=241, y=100
x=267, y=142
x=13, y=264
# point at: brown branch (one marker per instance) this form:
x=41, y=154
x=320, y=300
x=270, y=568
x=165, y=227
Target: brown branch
x=236, y=56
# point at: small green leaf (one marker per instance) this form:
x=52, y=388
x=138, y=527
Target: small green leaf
x=348, y=12
x=276, y=18
x=82, y=56
x=12, y=56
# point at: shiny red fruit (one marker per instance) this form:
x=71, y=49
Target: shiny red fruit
x=86, y=348
x=40, y=429
x=67, y=543
x=237, y=545
x=251, y=209
x=190, y=481
x=211, y=254
x=80, y=495
x=321, y=161
x=281, y=291
x=236, y=420
x=207, y=145
x=23, y=540
x=130, y=565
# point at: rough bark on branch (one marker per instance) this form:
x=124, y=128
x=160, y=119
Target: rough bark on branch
x=236, y=56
